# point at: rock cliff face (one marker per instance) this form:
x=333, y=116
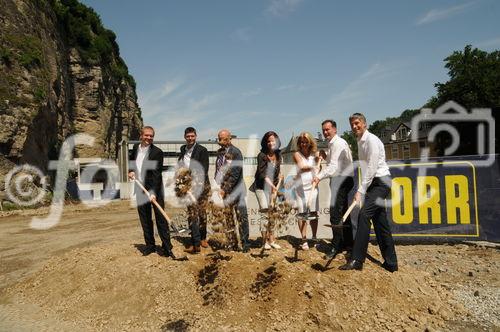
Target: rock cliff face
x=61, y=74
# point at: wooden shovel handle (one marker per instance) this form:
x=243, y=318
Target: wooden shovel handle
x=314, y=185
x=153, y=201
x=349, y=210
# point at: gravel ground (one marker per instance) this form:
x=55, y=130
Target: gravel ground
x=88, y=274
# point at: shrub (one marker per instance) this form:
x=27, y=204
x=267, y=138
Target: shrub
x=31, y=58
x=6, y=55
x=40, y=94
x=84, y=31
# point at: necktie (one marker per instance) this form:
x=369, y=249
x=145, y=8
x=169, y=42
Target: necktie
x=218, y=166
x=220, y=160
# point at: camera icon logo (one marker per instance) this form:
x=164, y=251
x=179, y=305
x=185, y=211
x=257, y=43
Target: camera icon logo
x=443, y=120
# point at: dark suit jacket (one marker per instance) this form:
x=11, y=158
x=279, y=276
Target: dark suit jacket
x=152, y=180
x=200, y=154
x=234, y=175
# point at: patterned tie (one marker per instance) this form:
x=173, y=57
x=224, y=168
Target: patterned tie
x=218, y=166
x=220, y=160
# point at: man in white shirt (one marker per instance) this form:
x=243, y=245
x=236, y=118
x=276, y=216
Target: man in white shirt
x=375, y=187
x=146, y=163
x=339, y=170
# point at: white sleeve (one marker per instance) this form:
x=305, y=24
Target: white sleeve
x=333, y=165
x=372, y=156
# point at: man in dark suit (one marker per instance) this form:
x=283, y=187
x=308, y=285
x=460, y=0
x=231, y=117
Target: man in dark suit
x=146, y=162
x=229, y=176
x=195, y=157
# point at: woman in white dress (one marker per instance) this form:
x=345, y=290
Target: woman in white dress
x=306, y=160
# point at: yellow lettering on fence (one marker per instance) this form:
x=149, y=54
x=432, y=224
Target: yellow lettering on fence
x=402, y=215
x=458, y=199
x=428, y=199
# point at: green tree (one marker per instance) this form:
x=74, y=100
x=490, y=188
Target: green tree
x=474, y=79
x=83, y=30
x=474, y=83
x=353, y=143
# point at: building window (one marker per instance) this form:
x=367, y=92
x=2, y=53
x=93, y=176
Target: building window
x=406, y=151
x=403, y=132
x=394, y=152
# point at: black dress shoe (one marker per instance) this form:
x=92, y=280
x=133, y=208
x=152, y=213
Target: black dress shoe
x=148, y=251
x=169, y=253
x=245, y=249
x=390, y=268
x=352, y=265
x=347, y=247
x=332, y=254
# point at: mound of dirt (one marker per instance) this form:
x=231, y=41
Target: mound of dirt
x=114, y=287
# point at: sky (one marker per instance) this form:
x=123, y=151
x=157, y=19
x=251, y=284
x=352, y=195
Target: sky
x=287, y=65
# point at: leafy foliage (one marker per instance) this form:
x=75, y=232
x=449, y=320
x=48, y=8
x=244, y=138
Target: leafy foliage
x=30, y=50
x=6, y=55
x=353, y=143
x=84, y=31
x=39, y=93
x=474, y=83
x=474, y=79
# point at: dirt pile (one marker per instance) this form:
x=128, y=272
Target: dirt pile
x=114, y=287
x=88, y=274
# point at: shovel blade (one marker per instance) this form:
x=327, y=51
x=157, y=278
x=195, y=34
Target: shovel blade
x=307, y=216
x=336, y=226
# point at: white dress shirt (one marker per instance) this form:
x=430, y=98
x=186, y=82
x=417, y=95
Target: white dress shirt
x=187, y=156
x=142, y=152
x=371, y=154
x=338, y=159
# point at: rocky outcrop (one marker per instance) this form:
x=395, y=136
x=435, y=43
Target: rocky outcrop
x=51, y=89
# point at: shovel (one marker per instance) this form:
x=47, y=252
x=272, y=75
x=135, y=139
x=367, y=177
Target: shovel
x=261, y=254
x=272, y=206
x=194, y=201
x=269, y=210
x=219, y=202
x=344, y=218
x=295, y=257
x=167, y=218
x=275, y=194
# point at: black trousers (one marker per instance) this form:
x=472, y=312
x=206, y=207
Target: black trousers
x=240, y=207
x=197, y=218
x=373, y=209
x=340, y=186
x=144, y=207
x=242, y=215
